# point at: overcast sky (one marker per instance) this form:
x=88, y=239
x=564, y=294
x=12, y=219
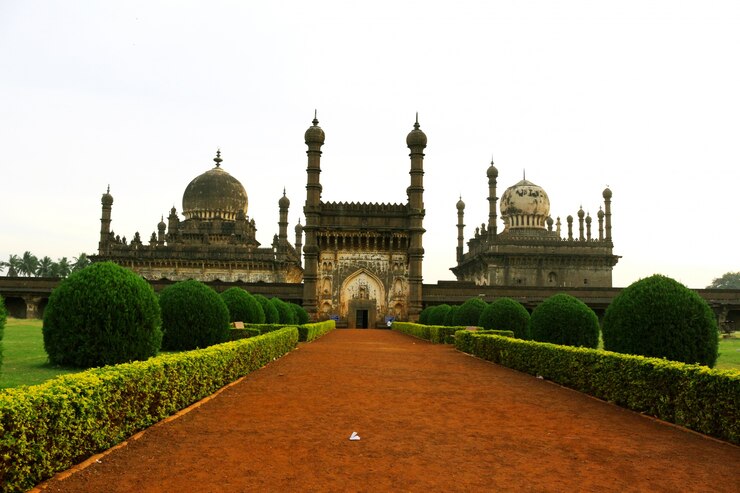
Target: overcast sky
x=641, y=96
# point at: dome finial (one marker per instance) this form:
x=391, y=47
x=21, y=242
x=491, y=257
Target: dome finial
x=524, y=174
x=283, y=191
x=315, y=118
x=416, y=125
x=218, y=159
x=108, y=189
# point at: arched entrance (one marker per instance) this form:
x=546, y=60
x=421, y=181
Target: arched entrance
x=362, y=297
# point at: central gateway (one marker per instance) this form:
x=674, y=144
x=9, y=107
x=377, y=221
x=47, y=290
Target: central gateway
x=363, y=261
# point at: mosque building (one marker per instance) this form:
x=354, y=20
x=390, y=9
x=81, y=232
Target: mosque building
x=528, y=252
x=215, y=240
x=362, y=263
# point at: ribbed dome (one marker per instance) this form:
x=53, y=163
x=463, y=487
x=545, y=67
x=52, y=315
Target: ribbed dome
x=460, y=205
x=213, y=194
x=284, y=201
x=492, y=171
x=525, y=205
x=107, y=198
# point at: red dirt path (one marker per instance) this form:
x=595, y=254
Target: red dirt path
x=430, y=419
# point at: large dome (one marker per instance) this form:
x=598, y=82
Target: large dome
x=525, y=205
x=213, y=194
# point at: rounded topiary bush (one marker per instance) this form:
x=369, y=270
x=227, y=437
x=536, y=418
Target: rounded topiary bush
x=286, y=315
x=193, y=316
x=506, y=314
x=563, y=319
x=101, y=315
x=450, y=317
x=424, y=315
x=242, y=306
x=660, y=317
x=438, y=314
x=469, y=312
x=301, y=315
x=271, y=314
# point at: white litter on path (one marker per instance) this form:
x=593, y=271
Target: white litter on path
x=354, y=436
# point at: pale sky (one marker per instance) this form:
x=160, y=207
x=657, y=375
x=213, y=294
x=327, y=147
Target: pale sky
x=642, y=96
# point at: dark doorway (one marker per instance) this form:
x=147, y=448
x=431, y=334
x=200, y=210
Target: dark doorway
x=361, y=319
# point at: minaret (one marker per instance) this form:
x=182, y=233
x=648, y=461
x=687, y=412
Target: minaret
x=416, y=141
x=283, y=204
x=460, y=228
x=608, y=213
x=314, y=138
x=161, y=227
x=580, y=224
x=600, y=215
x=492, y=200
x=107, y=202
x=299, y=240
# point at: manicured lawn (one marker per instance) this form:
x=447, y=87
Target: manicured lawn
x=24, y=359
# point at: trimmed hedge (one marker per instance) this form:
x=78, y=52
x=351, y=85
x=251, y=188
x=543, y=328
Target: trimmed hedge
x=469, y=312
x=438, y=314
x=436, y=334
x=694, y=396
x=300, y=313
x=264, y=328
x=49, y=427
x=311, y=332
x=236, y=334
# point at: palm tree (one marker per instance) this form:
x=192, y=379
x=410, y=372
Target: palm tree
x=29, y=264
x=80, y=262
x=13, y=264
x=61, y=268
x=44, y=267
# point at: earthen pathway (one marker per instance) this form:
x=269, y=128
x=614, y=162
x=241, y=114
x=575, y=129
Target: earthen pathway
x=429, y=419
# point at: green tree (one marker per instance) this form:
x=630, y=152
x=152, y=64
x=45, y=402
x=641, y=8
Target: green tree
x=564, y=319
x=438, y=314
x=506, y=314
x=80, y=262
x=193, y=316
x=13, y=265
x=242, y=306
x=29, y=264
x=102, y=315
x=469, y=312
x=660, y=317
x=271, y=314
x=45, y=267
x=286, y=315
x=729, y=280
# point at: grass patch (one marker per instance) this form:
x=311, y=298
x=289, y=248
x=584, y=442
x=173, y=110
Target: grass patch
x=729, y=353
x=25, y=362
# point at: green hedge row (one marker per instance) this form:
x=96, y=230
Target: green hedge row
x=265, y=328
x=49, y=427
x=694, y=396
x=246, y=332
x=437, y=334
x=310, y=332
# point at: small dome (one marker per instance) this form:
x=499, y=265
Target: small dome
x=460, y=205
x=581, y=213
x=525, y=205
x=607, y=194
x=161, y=226
x=298, y=228
x=314, y=134
x=416, y=138
x=213, y=194
x=107, y=198
x=284, y=202
x=492, y=171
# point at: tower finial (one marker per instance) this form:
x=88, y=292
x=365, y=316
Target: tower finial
x=524, y=173
x=315, y=118
x=491, y=159
x=416, y=125
x=283, y=191
x=108, y=189
x=218, y=159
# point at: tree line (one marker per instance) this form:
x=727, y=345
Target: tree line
x=29, y=265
